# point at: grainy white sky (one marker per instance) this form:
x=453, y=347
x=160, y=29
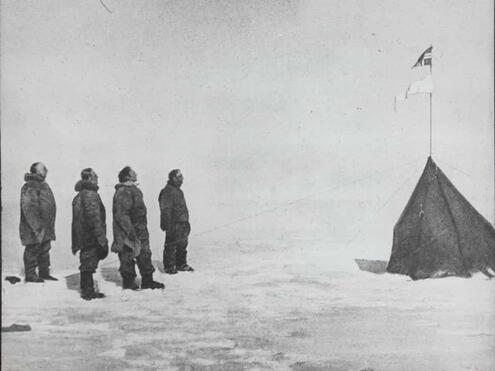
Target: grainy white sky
x=260, y=103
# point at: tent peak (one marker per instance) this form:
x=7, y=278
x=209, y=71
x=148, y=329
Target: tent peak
x=430, y=160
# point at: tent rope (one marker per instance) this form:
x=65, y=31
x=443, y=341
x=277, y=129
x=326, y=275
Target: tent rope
x=359, y=231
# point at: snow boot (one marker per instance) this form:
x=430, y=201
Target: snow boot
x=45, y=274
x=96, y=295
x=148, y=283
x=129, y=283
x=34, y=278
x=87, y=287
x=170, y=270
x=185, y=268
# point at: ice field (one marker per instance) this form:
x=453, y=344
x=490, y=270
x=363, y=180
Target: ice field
x=252, y=306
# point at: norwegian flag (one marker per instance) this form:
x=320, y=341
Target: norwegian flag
x=424, y=59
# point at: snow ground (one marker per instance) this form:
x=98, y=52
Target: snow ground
x=254, y=306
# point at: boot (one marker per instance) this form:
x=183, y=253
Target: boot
x=170, y=270
x=148, y=283
x=34, y=278
x=96, y=295
x=45, y=274
x=44, y=263
x=129, y=283
x=185, y=268
x=30, y=263
x=87, y=287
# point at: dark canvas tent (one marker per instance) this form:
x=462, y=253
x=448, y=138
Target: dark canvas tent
x=440, y=233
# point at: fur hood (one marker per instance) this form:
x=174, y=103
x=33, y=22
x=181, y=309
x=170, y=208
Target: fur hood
x=126, y=184
x=30, y=177
x=85, y=184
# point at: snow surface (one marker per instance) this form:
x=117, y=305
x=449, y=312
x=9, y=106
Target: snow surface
x=254, y=306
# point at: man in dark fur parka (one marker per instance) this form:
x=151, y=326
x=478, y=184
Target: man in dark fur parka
x=37, y=225
x=175, y=221
x=89, y=231
x=130, y=233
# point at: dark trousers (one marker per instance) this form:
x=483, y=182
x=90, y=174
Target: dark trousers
x=143, y=260
x=37, y=255
x=175, y=249
x=88, y=257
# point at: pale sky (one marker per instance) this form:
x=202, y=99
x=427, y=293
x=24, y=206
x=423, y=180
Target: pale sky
x=260, y=103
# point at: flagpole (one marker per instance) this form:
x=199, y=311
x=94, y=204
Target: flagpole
x=431, y=118
x=425, y=59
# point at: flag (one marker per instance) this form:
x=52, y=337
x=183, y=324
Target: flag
x=424, y=59
x=420, y=87
x=424, y=86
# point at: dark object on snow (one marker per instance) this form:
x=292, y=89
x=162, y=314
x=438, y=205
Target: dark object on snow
x=373, y=266
x=16, y=328
x=12, y=279
x=440, y=233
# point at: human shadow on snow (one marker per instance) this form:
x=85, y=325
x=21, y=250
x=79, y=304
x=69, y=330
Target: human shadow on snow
x=112, y=274
x=73, y=281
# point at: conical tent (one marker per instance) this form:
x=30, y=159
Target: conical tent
x=440, y=233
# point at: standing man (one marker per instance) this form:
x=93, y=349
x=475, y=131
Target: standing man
x=89, y=231
x=37, y=226
x=174, y=219
x=130, y=233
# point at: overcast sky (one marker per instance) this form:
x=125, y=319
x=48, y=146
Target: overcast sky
x=260, y=103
